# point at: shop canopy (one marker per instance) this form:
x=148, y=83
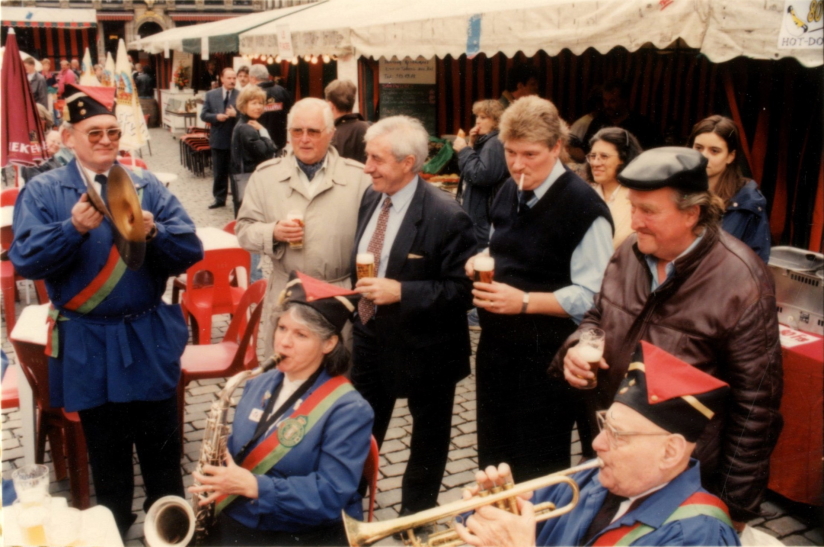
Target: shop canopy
x=49, y=18
x=222, y=35
x=720, y=29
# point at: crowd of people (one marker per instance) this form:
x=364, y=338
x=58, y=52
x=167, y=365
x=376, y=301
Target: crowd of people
x=663, y=248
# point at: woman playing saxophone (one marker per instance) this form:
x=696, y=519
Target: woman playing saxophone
x=300, y=436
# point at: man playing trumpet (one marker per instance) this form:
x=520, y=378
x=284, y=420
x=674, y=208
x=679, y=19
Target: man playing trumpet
x=648, y=491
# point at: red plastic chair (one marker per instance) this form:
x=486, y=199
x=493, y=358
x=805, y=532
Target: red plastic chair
x=8, y=275
x=63, y=429
x=179, y=283
x=237, y=351
x=370, y=474
x=202, y=302
x=11, y=397
x=132, y=163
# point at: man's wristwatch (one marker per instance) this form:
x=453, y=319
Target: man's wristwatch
x=150, y=236
x=525, y=302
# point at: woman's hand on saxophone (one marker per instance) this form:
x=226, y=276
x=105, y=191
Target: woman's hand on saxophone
x=492, y=526
x=225, y=480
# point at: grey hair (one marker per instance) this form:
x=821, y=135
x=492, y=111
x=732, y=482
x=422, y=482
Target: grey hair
x=711, y=207
x=338, y=360
x=408, y=138
x=259, y=72
x=311, y=103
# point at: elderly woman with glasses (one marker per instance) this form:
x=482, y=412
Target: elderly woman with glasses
x=611, y=149
x=300, y=436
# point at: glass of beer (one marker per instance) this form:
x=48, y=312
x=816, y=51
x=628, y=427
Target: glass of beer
x=31, y=484
x=484, y=269
x=365, y=265
x=298, y=216
x=591, y=349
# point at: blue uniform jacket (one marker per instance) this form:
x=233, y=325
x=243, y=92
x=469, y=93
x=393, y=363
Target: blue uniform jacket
x=128, y=348
x=319, y=476
x=570, y=528
x=746, y=219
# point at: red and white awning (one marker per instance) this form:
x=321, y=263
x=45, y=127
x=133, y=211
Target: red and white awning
x=49, y=18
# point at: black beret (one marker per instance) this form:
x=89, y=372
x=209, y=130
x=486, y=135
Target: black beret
x=83, y=101
x=676, y=167
x=670, y=393
x=334, y=303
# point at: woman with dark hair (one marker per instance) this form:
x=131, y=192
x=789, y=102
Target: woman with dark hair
x=745, y=216
x=610, y=149
x=300, y=436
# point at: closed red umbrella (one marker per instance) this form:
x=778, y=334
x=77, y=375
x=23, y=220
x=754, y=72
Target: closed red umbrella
x=22, y=135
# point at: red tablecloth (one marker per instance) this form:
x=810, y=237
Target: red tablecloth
x=796, y=464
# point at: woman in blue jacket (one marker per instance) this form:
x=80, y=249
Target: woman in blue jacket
x=483, y=167
x=717, y=138
x=300, y=436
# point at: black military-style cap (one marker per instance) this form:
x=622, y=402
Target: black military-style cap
x=671, y=393
x=335, y=303
x=84, y=101
x=676, y=167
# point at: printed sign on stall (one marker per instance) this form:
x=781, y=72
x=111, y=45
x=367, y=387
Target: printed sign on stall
x=802, y=25
x=285, y=49
x=791, y=337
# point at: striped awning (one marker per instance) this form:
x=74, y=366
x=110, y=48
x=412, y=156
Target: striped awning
x=202, y=17
x=114, y=16
x=49, y=18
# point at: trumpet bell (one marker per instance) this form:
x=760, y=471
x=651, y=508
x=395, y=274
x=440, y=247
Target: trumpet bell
x=125, y=213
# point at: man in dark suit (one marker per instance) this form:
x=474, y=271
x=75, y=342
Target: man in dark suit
x=219, y=111
x=410, y=337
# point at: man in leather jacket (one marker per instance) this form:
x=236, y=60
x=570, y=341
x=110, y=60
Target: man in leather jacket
x=688, y=287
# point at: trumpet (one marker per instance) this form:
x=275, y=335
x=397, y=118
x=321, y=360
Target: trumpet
x=503, y=497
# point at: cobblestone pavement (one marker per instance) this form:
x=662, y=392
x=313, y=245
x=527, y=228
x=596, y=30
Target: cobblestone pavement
x=794, y=524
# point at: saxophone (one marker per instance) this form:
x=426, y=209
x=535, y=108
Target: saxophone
x=171, y=520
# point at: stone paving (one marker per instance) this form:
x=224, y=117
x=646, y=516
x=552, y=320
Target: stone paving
x=793, y=523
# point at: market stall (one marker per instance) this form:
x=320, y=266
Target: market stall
x=53, y=33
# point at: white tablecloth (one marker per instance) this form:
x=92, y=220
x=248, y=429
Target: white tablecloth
x=98, y=526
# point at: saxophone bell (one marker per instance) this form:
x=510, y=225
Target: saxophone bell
x=170, y=522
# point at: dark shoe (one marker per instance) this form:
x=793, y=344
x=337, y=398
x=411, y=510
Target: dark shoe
x=421, y=532
x=217, y=204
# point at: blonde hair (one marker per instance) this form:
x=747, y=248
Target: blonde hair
x=534, y=120
x=490, y=109
x=250, y=93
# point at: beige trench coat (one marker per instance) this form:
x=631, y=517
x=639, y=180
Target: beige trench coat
x=330, y=219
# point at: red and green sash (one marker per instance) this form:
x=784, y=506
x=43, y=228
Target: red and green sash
x=90, y=297
x=697, y=504
x=291, y=431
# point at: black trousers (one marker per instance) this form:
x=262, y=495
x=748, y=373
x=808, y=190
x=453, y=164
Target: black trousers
x=228, y=531
x=111, y=430
x=221, y=165
x=431, y=408
x=524, y=417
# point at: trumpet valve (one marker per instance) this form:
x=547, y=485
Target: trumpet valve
x=512, y=503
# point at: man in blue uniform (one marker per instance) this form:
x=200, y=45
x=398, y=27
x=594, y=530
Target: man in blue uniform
x=115, y=347
x=648, y=491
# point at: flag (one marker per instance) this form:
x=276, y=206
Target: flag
x=87, y=76
x=108, y=71
x=128, y=111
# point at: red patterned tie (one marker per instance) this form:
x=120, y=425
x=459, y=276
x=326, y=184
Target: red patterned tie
x=366, y=307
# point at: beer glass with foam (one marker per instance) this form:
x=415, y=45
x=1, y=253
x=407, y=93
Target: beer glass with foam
x=590, y=348
x=365, y=265
x=484, y=269
x=296, y=216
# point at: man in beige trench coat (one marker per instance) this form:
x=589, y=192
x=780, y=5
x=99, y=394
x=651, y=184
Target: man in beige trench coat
x=311, y=180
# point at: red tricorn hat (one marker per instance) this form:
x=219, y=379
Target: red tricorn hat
x=671, y=393
x=85, y=101
x=334, y=303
